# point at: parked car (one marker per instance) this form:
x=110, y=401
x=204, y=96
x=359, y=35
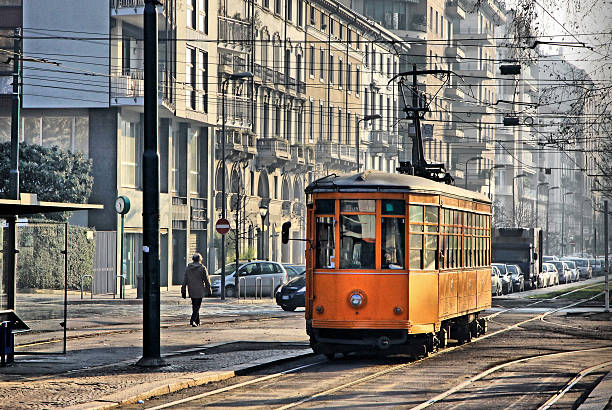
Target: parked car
x=602, y=263
x=596, y=266
x=584, y=268
x=565, y=273
x=263, y=277
x=543, y=277
x=504, y=275
x=292, y=294
x=496, y=282
x=518, y=279
x=294, y=270
x=574, y=269
x=546, y=258
x=552, y=273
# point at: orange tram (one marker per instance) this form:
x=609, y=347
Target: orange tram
x=396, y=263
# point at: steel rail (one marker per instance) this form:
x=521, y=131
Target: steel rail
x=487, y=372
x=371, y=376
x=571, y=384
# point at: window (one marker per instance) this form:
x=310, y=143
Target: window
x=423, y=237
x=277, y=6
x=298, y=68
x=312, y=61
x=441, y=26
x=311, y=120
x=203, y=76
x=324, y=231
x=340, y=73
x=131, y=153
x=194, y=159
x=322, y=64
x=330, y=123
x=436, y=22
x=323, y=25
x=392, y=234
x=190, y=78
x=313, y=16
x=191, y=14
x=340, y=31
x=357, y=80
x=430, y=18
x=367, y=55
x=358, y=234
x=300, y=12
x=203, y=16
x=339, y=124
x=358, y=40
x=365, y=102
x=289, y=9
x=330, y=69
x=349, y=74
x=266, y=3
x=331, y=26
x=349, y=36
x=321, y=116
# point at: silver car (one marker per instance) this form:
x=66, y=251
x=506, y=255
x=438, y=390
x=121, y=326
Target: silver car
x=552, y=274
x=575, y=273
x=565, y=273
x=259, y=278
x=584, y=267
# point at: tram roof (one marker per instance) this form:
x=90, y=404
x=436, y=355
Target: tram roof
x=378, y=181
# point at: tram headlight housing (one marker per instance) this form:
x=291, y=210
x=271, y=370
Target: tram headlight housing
x=357, y=299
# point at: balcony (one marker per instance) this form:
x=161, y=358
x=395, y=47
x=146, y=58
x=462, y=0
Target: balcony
x=131, y=10
x=473, y=38
x=127, y=89
x=180, y=211
x=419, y=23
x=454, y=93
x=327, y=151
x=456, y=52
x=453, y=133
x=478, y=108
x=229, y=63
x=233, y=33
x=237, y=111
x=348, y=153
x=455, y=9
x=476, y=72
x=379, y=141
x=272, y=152
x=297, y=154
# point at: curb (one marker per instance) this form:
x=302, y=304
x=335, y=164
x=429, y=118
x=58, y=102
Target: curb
x=159, y=388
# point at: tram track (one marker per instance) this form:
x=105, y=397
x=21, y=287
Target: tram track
x=393, y=368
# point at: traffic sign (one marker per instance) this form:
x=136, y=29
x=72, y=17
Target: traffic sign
x=222, y=226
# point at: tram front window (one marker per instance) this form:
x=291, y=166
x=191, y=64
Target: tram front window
x=357, y=241
x=325, y=242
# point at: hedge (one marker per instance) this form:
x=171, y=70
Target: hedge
x=40, y=262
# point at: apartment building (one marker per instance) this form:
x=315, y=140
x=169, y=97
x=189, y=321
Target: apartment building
x=318, y=68
x=83, y=91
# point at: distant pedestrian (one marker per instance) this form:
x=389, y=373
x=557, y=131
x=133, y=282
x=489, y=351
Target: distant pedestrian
x=196, y=280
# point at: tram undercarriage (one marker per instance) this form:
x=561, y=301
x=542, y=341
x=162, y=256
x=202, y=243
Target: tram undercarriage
x=330, y=341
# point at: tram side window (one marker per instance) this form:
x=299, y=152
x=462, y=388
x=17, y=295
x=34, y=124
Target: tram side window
x=325, y=242
x=357, y=241
x=423, y=237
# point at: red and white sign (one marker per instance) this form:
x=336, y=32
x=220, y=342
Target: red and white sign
x=222, y=226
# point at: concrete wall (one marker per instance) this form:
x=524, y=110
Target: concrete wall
x=68, y=84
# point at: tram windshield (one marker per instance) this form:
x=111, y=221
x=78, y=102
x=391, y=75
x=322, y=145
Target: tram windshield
x=357, y=241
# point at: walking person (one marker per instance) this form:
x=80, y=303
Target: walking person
x=196, y=280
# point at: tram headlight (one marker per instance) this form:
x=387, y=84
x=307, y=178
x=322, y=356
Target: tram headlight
x=356, y=300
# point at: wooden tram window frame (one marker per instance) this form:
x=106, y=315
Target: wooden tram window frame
x=314, y=232
x=376, y=214
x=432, y=201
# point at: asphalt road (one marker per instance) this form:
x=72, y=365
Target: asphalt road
x=554, y=349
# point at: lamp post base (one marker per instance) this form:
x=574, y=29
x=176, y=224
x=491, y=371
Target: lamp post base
x=151, y=362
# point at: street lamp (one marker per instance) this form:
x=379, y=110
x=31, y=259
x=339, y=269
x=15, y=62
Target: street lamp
x=236, y=76
x=563, y=224
x=491, y=175
x=513, y=199
x=366, y=118
x=466, y=164
x=535, y=225
x=547, y=208
x=263, y=212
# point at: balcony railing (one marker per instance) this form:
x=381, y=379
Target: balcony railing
x=123, y=86
x=232, y=31
x=273, y=148
x=121, y=4
x=237, y=110
x=301, y=87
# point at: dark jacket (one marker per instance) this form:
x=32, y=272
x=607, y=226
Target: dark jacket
x=196, y=280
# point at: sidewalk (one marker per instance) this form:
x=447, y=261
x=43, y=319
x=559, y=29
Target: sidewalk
x=99, y=370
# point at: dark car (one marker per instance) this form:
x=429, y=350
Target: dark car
x=294, y=270
x=518, y=279
x=292, y=294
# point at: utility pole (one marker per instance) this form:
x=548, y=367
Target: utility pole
x=14, y=175
x=607, y=264
x=150, y=194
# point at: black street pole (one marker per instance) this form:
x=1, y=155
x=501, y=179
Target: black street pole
x=607, y=261
x=223, y=201
x=11, y=283
x=150, y=194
